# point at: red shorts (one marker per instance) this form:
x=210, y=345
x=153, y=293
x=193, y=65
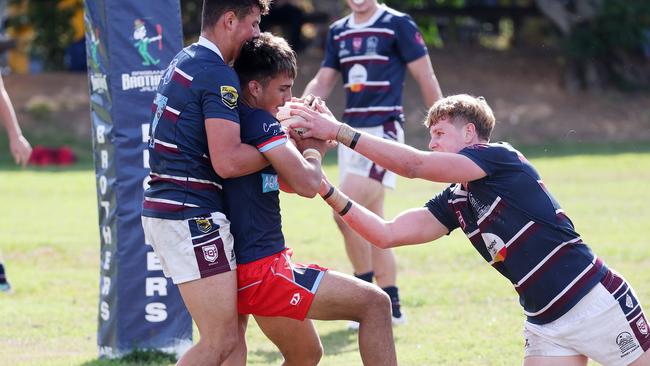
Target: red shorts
x=274, y=286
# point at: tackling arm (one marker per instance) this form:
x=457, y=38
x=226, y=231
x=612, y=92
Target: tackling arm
x=230, y=157
x=302, y=174
x=415, y=226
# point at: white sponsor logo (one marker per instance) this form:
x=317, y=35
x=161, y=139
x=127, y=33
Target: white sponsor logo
x=98, y=83
x=144, y=81
x=628, y=301
x=295, y=299
x=210, y=253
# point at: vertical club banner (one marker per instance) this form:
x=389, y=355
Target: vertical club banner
x=129, y=44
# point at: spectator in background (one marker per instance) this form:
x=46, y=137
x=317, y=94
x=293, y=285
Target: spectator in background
x=20, y=149
x=372, y=48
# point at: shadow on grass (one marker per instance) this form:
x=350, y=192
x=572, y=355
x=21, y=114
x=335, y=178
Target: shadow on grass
x=137, y=358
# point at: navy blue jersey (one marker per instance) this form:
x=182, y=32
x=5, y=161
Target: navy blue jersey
x=372, y=59
x=252, y=201
x=196, y=86
x=519, y=228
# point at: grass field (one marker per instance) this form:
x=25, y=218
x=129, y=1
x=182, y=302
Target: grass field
x=461, y=312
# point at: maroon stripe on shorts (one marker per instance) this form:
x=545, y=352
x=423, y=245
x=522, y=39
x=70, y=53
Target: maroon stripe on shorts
x=636, y=318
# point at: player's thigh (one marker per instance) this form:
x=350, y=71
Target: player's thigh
x=363, y=190
x=644, y=360
x=343, y=297
x=293, y=337
x=577, y=360
x=212, y=302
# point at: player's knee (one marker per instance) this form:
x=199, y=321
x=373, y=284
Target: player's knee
x=221, y=346
x=305, y=355
x=378, y=301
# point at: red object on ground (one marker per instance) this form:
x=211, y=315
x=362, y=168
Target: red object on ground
x=46, y=156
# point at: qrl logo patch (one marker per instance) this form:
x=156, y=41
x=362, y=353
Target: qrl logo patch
x=229, y=96
x=210, y=253
x=642, y=326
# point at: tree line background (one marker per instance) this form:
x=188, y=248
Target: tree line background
x=601, y=43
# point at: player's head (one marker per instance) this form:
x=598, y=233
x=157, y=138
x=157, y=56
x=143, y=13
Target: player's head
x=458, y=121
x=362, y=6
x=266, y=68
x=240, y=16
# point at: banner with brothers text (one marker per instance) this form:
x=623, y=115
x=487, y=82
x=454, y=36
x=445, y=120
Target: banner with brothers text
x=129, y=44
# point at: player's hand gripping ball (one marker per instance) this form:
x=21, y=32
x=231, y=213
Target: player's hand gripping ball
x=286, y=119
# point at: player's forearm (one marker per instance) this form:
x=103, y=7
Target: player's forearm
x=318, y=89
x=370, y=226
x=240, y=160
x=430, y=89
x=305, y=180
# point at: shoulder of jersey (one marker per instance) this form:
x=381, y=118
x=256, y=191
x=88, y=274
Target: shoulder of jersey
x=341, y=22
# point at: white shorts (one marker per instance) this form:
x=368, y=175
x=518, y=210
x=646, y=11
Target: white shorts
x=191, y=249
x=351, y=162
x=607, y=325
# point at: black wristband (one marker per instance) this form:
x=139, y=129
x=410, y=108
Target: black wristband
x=347, y=208
x=355, y=139
x=329, y=193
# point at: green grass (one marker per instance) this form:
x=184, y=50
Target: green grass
x=461, y=312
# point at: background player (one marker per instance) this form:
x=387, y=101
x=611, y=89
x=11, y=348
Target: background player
x=371, y=48
x=281, y=294
x=194, y=144
x=20, y=149
x=576, y=307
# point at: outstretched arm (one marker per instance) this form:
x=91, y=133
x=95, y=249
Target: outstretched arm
x=414, y=226
x=18, y=144
x=399, y=158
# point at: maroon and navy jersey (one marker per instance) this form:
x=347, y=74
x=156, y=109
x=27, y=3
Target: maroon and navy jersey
x=514, y=222
x=372, y=59
x=253, y=201
x=196, y=86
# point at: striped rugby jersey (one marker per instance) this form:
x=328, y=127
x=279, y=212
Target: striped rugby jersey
x=372, y=59
x=252, y=201
x=196, y=86
x=514, y=222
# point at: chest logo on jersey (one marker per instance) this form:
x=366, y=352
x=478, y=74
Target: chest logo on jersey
x=357, y=43
x=229, y=96
x=495, y=246
x=210, y=253
x=371, y=45
x=270, y=183
x=342, y=50
x=357, y=77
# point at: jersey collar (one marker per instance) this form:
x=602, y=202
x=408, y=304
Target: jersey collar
x=380, y=10
x=209, y=45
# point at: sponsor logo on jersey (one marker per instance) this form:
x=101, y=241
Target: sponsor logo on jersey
x=210, y=253
x=270, y=183
x=229, y=96
x=419, y=39
x=169, y=72
x=204, y=225
x=628, y=301
x=371, y=46
x=461, y=221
